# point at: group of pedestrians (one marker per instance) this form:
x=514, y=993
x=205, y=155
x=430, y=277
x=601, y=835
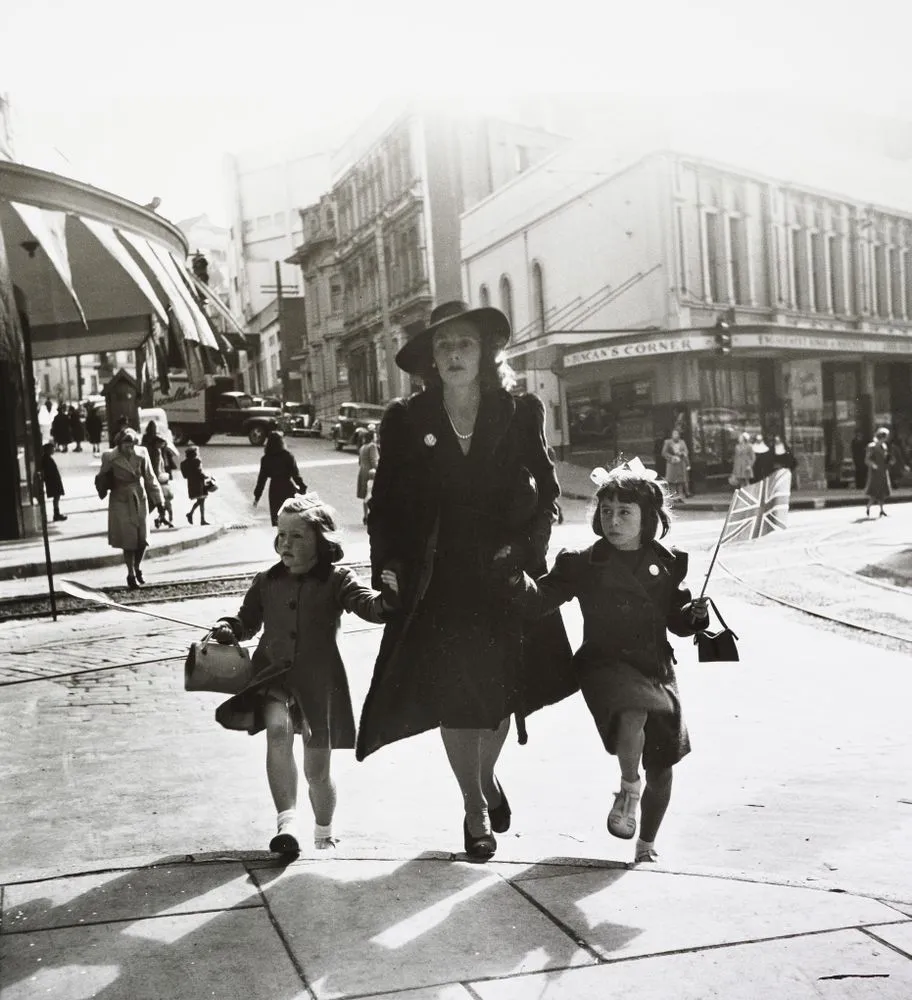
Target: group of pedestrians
x=70, y=425
x=459, y=518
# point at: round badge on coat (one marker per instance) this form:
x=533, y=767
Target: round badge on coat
x=653, y=569
x=430, y=440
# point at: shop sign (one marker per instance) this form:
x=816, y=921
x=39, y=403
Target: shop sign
x=640, y=349
x=810, y=342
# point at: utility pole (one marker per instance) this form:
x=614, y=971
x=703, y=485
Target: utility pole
x=392, y=375
x=278, y=274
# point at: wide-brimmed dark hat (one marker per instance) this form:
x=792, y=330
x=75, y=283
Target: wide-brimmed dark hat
x=415, y=357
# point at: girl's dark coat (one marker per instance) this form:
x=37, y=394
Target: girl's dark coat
x=192, y=470
x=513, y=481
x=281, y=469
x=53, y=484
x=300, y=617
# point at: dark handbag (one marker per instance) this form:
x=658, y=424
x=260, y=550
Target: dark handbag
x=213, y=666
x=210, y=484
x=717, y=647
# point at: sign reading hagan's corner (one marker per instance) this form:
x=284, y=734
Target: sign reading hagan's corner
x=641, y=349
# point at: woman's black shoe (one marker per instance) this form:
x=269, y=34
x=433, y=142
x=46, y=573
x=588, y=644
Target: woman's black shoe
x=139, y=578
x=500, y=815
x=481, y=848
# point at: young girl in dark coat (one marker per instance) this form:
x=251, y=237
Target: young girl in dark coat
x=53, y=484
x=631, y=590
x=192, y=470
x=299, y=684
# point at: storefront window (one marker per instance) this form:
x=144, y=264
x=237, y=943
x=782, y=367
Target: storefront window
x=730, y=403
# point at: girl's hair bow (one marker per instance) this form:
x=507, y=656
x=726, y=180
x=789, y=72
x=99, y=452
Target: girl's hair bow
x=601, y=476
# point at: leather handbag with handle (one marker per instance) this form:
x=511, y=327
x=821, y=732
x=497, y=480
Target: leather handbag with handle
x=212, y=666
x=717, y=647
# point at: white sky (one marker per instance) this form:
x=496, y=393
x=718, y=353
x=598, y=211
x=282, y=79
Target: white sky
x=146, y=104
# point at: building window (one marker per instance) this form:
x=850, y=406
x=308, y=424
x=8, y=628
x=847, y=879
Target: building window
x=484, y=296
x=335, y=298
x=907, y=276
x=506, y=299
x=538, y=297
x=249, y=226
x=896, y=281
x=712, y=258
x=820, y=285
x=837, y=274
x=682, y=253
x=881, y=284
x=738, y=260
x=798, y=260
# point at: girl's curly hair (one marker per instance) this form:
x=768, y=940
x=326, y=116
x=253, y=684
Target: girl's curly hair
x=652, y=496
x=322, y=518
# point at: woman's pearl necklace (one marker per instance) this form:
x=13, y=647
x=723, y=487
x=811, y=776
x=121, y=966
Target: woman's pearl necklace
x=462, y=437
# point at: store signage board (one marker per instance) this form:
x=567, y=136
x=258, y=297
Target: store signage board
x=673, y=344
x=847, y=343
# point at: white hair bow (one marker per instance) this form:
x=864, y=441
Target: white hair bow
x=601, y=476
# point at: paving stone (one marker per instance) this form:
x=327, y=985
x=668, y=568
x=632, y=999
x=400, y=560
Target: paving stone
x=899, y=935
x=126, y=895
x=233, y=955
x=792, y=969
x=382, y=926
x=625, y=913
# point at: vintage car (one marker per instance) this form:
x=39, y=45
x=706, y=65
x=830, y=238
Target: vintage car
x=353, y=418
x=300, y=420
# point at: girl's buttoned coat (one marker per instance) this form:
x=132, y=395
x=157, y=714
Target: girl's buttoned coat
x=131, y=480
x=297, y=654
x=428, y=496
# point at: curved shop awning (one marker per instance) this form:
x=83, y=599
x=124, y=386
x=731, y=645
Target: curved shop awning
x=95, y=268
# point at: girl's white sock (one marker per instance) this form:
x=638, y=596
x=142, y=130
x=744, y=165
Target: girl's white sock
x=631, y=786
x=645, y=845
x=286, y=816
x=323, y=832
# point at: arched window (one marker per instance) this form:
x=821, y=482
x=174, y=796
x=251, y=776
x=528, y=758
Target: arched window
x=506, y=299
x=538, y=296
x=484, y=296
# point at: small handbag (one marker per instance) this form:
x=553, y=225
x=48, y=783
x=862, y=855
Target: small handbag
x=717, y=647
x=212, y=666
x=210, y=484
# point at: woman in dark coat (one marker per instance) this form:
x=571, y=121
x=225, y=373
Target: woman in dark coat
x=93, y=428
x=60, y=429
x=878, y=460
x=278, y=465
x=77, y=431
x=463, y=472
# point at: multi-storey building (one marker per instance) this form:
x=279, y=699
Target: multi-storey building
x=316, y=362
x=618, y=269
x=400, y=184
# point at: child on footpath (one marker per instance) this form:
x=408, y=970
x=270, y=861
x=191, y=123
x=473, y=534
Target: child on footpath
x=630, y=590
x=197, y=482
x=53, y=484
x=299, y=683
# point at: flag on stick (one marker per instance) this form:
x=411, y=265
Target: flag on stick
x=758, y=509
x=754, y=511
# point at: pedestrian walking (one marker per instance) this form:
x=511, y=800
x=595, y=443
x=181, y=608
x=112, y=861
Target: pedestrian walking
x=763, y=459
x=198, y=483
x=463, y=470
x=878, y=459
x=60, y=429
x=77, y=428
x=93, y=427
x=45, y=421
x=677, y=463
x=127, y=480
x=631, y=592
x=743, y=464
x=368, y=457
x=299, y=684
x=163, y=457
x=53, y=484
x=280, y=467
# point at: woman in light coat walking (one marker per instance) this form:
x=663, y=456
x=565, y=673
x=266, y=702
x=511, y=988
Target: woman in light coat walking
x=126, y=477
x=677, y=463
x=743, y=466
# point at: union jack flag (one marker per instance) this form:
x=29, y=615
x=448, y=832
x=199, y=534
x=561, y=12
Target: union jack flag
x=758, y=509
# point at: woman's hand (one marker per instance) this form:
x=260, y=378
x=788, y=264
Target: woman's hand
x=389, y=584
x=223, y=633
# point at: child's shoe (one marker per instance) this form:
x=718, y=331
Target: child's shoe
x=622, y=818
x=286, y=839
x=323, y=837
x=645, y=853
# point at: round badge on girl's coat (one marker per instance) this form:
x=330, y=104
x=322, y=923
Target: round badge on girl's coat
x=654, y=570
x=430, y=440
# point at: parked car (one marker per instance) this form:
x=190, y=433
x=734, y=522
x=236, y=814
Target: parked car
x=351, y=420
x=299, y=420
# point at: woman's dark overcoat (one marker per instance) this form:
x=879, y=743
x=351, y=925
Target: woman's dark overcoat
x=625, y=660
x=53, y=484
x=281, y=469
x=457, y=655
x=192, y=470
x=297, y=654
x=93, y=425
x=133, y=480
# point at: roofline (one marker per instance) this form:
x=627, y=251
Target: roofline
x=47, y=190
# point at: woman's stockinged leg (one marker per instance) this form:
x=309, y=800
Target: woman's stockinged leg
x=491, y=745
x=463, y=749
x=281, y=770
x=631, y=738
x=320, y=785
x=653, y=804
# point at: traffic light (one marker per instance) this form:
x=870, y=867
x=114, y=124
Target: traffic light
x=723, y=337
